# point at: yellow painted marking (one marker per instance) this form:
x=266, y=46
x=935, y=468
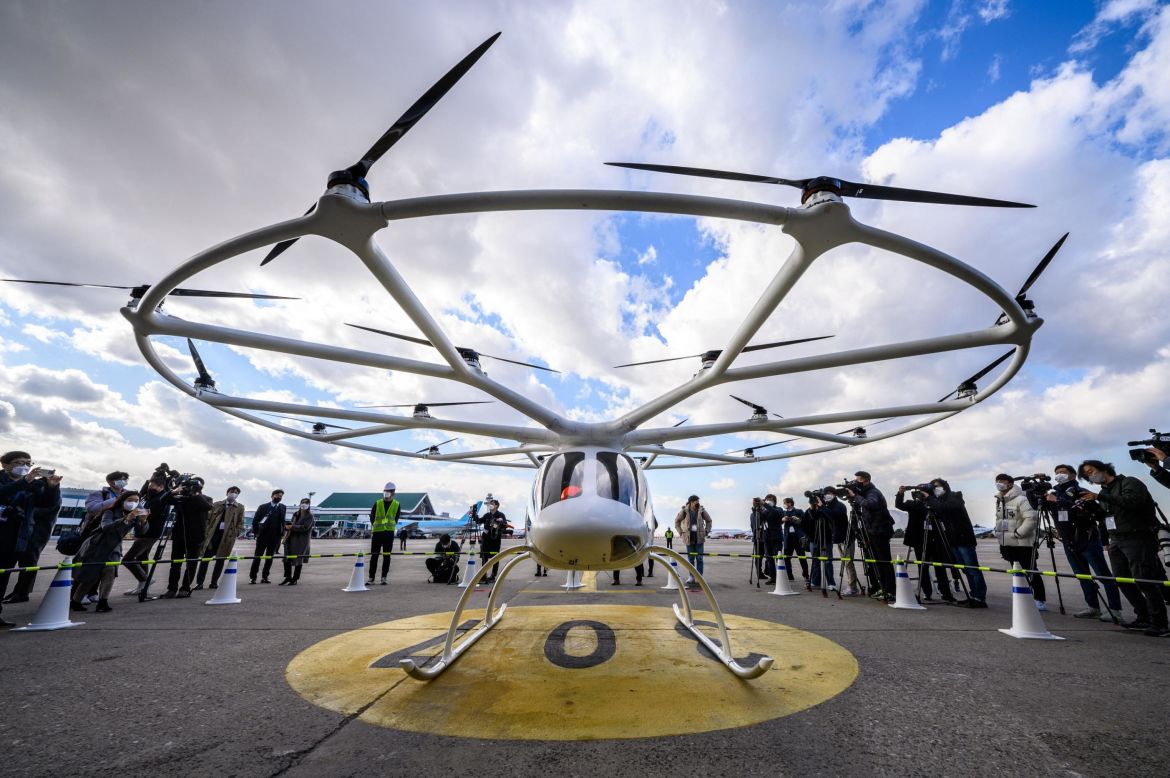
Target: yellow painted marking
x=655, y=683
x=588, y=581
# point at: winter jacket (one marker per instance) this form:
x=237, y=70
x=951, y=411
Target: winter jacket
x=686, y=518
x=269, y=520
x=876, y=516
x=1015, y=518
x=232, y=517
x=22, y=502
x=103, y=545
x=953, y=519
x=915, y=521
x=296, y=543
x=1131, y=505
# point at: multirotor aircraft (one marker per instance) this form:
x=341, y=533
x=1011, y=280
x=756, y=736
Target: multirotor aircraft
x=590, y=506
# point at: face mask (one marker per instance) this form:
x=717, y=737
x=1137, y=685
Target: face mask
x=120, y=483
x=232, y=496
x=939, y=491
x=387, y=495
x=20, y=471
x=304, y=505
x=1002, y=486
x=130, y=505
x=771, y=503
x=1062, y=478
x=1097, y=478
x=830, y=497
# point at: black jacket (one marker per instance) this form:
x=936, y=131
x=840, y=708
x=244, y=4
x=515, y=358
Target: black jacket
x=831, y=518
x=951, y=512
x=1077, y=524
x=875, y=513
x=915, y=521
x=1161, y=475
x=494, y=524
x=269, y=520
x=159, y=504
x=771, y=523
x=20, y=502
x=1131, y=505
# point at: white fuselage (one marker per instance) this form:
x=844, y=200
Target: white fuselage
x=590, y=509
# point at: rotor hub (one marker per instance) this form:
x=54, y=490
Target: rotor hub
x=349, y=183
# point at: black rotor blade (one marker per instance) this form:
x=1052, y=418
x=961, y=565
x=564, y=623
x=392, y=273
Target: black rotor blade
x=752, y=405
x=283, y=246
x=63, y=283
x=766, y=445
x=762, y=346
x=410, y=338
x=306, y=421
x=708, y=173
x=684, y=421
x=658, y=361
x=206, y=293
x=204, y=376
x=1040, y=268
x=425, y=103
x=427, y=405
x=428, y=448
x=523, y=364
x=875, y=192
x=980, y=374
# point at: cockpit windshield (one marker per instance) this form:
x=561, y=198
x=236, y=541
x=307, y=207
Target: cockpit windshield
x=617, y=478
x=562, y=478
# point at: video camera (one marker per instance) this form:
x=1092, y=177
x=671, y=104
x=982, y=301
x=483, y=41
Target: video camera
x=852, y=486
x=172, y=479
x=1158, y=440
x=924, y=488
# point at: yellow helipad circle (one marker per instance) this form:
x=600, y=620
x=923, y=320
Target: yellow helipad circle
x=591, y=672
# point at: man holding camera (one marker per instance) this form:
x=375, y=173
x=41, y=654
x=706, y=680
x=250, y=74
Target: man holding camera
x=24, y=489
x=955, y=541
x=827, y=524
x=919, y=531
x=793, y=535
x=1156, y=460
x=1133, y=541
x=768, y=531
x=191, y=509
x=156, y=504
x=491, y=537
x=1080, y=534
x=878, y=527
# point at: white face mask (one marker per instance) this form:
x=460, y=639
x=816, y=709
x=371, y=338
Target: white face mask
x=1097, y=478
x=232, y=496
x=304, y=506
x=939, y=491
x=770, y=502
x=120, y=483
x=387, y=495
x=20, y=471
x=830, y=497
x=1062, y=478
x=1002, y=486
x=130, y=505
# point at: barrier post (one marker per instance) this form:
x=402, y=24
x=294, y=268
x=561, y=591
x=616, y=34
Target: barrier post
x=357, y=580
x=54, y=610
x=1026, y=620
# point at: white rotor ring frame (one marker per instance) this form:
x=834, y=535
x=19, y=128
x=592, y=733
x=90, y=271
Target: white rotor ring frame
x=353, y=223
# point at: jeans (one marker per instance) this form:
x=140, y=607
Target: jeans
x=815, y=551
x=695, y=555
x=139, y=550
x=1082, y=557
x=967, y=555
x=1025, y=557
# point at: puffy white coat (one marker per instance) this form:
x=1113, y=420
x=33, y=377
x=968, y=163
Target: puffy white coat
x=1015, y=518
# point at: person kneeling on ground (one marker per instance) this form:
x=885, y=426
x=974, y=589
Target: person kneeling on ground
x=444, y=565
x=105, y=545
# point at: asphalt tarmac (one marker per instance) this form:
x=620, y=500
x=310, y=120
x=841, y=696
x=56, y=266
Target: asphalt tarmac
x=173, y=687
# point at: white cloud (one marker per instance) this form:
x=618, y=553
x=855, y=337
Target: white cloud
x=1112, y=14
x=722, y=485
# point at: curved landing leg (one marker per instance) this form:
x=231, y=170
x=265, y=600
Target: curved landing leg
x=490, y=619
x=685, y=616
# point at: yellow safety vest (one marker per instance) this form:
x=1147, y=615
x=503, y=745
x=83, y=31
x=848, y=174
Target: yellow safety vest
x=382, y=521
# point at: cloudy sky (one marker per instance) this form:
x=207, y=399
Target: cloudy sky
x=136, y=134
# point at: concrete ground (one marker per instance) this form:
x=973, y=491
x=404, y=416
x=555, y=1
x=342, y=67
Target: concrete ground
x=172, y=687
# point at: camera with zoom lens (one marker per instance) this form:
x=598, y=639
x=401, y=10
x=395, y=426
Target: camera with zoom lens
x=852, y=486
x=1158, y=440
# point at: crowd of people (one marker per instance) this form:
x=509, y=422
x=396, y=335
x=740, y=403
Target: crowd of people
x=1109, y=532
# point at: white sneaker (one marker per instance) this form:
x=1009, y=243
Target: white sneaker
x=1109, y=619
x=137, y=590
x=1088, y=613
x=89, y=599
x=850, y=592
x=1040, y=606
x=832, y=588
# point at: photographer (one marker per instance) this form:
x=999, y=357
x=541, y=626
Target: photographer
x=793, y=535
x=1133, y=541
x=878, y=528
x=104, y=544
x=191, y=509
x=828, y=523
x=1080, y=534
x=96, y=504
x=157, y=502
x=24, y=490
x=491, y=537
x=444, y=565
x=1017, y=527
x=769, y=526
x=955, y=541
x=917, y=537
x=1156, y=460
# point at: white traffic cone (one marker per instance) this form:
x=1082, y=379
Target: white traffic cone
x=670, y=584
x=1026, y=620
x=226, y=593
x=470, y=572
x=903, y=591
x=357, y=581
x=54, y=610
x=572, y=580
x=783, y=585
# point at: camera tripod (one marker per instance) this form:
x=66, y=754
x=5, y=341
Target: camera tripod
x=857, y=535
x=159, y=549
x=756, y=571
x=824, y=535
x=1047, y=529
x=933, y=531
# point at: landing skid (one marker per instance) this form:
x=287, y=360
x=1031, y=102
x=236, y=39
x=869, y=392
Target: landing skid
x=491, y=616
x=518, y=554
x=721, y=650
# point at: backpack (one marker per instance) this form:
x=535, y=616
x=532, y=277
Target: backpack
x=69, y=543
